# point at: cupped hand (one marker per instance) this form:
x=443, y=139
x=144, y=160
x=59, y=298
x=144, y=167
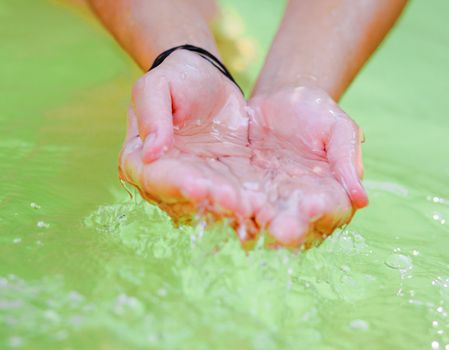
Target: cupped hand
x=287, y=162
x=187, y=143
x=308, y=151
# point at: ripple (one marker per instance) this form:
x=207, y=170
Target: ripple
x=399, y=262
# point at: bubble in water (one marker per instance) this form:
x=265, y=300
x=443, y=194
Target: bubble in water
x=399, y=262
x=439, y=200
x=42, y=224
x=359, y=325
x=439, y=218
x=35, y=205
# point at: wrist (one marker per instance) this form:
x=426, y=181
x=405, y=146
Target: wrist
x=200, y=37
x=146, y=28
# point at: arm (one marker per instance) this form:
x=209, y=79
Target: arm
x=324, y=43
x=184, y=114
x=145, y=28
x=318, y=50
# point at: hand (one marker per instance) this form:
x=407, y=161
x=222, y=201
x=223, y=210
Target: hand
x=187, y=142
x=308, y=150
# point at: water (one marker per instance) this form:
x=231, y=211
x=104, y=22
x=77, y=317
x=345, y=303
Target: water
x=82, y=266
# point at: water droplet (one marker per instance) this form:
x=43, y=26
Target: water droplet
x=435, y=345
x=399, y=262
x=42, y=224
x=250, y=111
x=439, y=218
x=317, y=169
x=35, y=205
x=242, y=232
x=359, y=325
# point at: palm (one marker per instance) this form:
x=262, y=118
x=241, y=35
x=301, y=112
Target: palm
x=206, y=165
x=303, y=144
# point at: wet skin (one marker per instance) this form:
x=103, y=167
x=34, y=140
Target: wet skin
x=288, y=162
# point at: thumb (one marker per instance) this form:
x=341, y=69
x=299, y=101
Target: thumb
x=344, y=156
x=153, y=109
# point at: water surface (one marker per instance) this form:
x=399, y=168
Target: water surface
x=82, y=266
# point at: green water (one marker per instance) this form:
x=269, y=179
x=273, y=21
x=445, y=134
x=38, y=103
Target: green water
x=84, y=267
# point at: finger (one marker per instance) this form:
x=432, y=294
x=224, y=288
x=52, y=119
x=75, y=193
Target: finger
x=153, y=109
x=289, y=228
x=130, y=161
x=326, y=210
x=227, y=188
x=132, y=130
x=171, y=180
x=344, y=156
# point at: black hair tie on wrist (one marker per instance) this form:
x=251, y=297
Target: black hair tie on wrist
x=200, y=51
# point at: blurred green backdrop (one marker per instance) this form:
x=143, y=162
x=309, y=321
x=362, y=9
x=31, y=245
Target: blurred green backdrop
x=82, y=266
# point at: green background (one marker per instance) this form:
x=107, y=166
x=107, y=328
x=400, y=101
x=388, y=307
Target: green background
x=82, y=266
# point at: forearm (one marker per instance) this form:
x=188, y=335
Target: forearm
x=324, y=43
x=145, y=28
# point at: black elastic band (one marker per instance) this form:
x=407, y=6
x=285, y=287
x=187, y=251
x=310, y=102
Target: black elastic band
x=200, y=51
